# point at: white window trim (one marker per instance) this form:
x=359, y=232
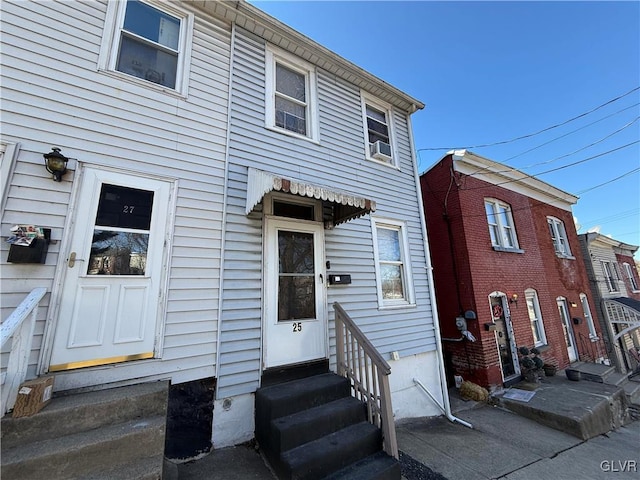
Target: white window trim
x=275, y=55
x=366, y=99
x=530, y=293
x=401, y=227
x=633, y=282
x=560, y=233
x=501, y=228
x=586, y=310
x=609, y=278
x=108, y=57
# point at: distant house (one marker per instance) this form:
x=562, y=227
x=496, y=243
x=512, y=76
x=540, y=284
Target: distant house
x=507, y=269
x=615, y=287
x=228, y=181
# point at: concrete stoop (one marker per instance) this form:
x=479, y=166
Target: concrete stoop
x=117, y=433
x=598, y=373
x=583, y=409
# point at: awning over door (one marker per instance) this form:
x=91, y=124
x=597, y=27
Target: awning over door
x=625, y=311
x=346, y=206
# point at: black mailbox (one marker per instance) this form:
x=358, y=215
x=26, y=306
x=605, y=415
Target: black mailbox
x=34, y=253
x=339, y=279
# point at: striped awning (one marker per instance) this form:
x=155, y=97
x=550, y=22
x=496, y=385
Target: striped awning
x=346, y=206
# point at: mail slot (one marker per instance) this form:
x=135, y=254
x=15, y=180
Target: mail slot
x=342, y=279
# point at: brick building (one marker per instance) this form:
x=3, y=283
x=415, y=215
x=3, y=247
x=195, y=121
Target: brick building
x=507, y=270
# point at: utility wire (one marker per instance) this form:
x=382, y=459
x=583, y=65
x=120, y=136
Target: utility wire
x=538, y=132
x=630, y=172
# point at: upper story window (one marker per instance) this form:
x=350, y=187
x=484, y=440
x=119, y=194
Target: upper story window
x=628, y=270
x=378, y=131
x=150, y=41
x=586, y=310
x=535, y=317
x=291, y=95
x=559, y=237
x=610, y=276
x=501, y=227
x=392, y=269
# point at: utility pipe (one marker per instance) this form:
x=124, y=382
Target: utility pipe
x=447, y=411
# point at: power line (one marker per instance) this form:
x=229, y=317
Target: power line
x=538, y=132
x=630, y=172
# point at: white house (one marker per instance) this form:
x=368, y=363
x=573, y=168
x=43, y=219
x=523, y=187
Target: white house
x=228, y=181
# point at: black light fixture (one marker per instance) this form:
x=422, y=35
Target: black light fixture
x=56, y=163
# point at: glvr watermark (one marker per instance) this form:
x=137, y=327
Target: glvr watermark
x=619, y=466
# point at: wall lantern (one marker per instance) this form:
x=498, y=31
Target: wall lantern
x=514, y=298
x=56, y=163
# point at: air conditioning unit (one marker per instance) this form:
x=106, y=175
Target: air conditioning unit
x=381, y=151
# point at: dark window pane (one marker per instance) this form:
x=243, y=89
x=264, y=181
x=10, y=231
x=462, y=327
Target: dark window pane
x=295, y=252
x=152, y=24
x=296, y=298
x=144, y=61
x=290, y=83
x=377, y=127
x=124, y=207
x=118, y=253
x=291, y=116
x=392, y=284
x=292, y=210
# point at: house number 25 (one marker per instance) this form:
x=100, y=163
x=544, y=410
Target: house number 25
x=297, y=326
x=128, y=208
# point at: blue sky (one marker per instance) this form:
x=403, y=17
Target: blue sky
x=490, y=72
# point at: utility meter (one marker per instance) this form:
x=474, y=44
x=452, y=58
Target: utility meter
x=461, y=324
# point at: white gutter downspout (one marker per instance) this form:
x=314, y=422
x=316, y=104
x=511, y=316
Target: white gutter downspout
x=446, y=407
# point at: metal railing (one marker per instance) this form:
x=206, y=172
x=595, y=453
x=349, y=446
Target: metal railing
x=360, y=362
x=19, y=325
x=592, y=349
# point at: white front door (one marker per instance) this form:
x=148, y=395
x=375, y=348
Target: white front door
x=294, y=316
x=507, y=350
x=569, y=337
x=110, y=296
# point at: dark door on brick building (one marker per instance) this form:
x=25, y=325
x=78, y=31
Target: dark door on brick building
x=504, y=336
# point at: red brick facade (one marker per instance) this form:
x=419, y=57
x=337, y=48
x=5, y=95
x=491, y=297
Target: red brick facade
x=467, y=270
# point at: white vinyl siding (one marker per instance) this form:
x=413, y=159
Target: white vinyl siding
x=535, y=317
x=349, y=246
x=559, y=237
x=102, y=121
x=501, y=227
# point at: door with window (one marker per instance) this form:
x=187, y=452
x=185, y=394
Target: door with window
x=504, y=336
x=295, y=325
x=112, y=282
x=567, y=328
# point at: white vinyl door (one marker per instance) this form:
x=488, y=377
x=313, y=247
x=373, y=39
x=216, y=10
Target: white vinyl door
x=295, y=315
x=110, y=297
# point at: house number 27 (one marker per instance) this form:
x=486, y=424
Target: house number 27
x=297, y=326
x=128, y=208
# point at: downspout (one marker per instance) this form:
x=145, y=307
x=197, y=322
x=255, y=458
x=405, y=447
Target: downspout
x=446, y=407
x=232, y=49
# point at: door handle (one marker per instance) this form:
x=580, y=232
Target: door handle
x=72, y=260
x=321, y=279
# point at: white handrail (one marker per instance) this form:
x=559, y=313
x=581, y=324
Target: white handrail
x=22, y=332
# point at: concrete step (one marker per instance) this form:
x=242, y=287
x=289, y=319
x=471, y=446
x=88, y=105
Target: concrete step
x=632, y=391
x=592, y=372
x=326, y=455
x=615, y=378
x=378, y=466
x=87, y=453
x=303, y=427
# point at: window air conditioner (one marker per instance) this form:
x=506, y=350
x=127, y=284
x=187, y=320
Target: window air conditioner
x=381, y=151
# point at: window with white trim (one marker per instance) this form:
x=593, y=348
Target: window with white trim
x=628, y=270
x=559, y=237
x=501, y=227
x=378, y=130
x=535, y=317
x=392, y=268
x=587, y=316
x=150, y=41
x=610, y=274
x=291, y=94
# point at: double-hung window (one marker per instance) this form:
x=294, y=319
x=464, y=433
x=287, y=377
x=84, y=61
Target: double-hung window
x=150, y=41
x=559, y=237
x=378, y=130
x=501, y=227
x=290, y=94
x=586, y=310
x=610, y=274
x=392, y=267
x=535, y=317
x=628, y=270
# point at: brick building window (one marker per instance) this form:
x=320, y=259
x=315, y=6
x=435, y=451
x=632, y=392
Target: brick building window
x=535, y=317
x=501, y=227
x=559, y=237
x=632, y=278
